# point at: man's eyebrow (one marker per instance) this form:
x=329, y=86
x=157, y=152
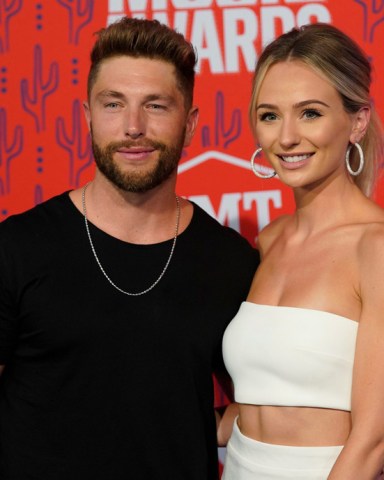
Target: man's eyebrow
x=159, y=96
x=110, y=94
x=148, y=98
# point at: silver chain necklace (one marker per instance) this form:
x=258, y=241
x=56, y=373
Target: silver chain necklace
x=99, y=263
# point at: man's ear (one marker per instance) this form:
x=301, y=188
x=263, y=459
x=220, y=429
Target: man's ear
x=87, y=114
x=192, y=119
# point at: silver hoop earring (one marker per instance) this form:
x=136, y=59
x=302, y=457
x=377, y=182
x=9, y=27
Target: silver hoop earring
x=361, y=155
x=255, y=171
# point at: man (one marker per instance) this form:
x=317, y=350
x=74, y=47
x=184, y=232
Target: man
x=114, y=297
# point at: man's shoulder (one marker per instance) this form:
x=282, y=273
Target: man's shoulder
x=42, y=215
x=206, y=221
x=222, y=239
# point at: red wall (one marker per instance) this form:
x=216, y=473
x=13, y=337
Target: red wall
x=44, y=51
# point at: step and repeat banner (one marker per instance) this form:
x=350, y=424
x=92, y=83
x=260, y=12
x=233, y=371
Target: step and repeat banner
x=44, y=61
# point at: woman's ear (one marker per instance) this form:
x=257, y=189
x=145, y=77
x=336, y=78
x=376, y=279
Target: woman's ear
x=360, y=124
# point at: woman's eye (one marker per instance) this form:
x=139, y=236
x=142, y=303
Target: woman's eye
x=311, y=113
x=268, y=117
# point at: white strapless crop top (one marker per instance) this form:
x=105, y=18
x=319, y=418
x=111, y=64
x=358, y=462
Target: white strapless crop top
x=290, y=356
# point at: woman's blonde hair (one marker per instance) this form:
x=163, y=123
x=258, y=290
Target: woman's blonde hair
x=339, y=59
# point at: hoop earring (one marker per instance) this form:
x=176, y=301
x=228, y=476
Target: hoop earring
x=361, y=155
x=253, y=166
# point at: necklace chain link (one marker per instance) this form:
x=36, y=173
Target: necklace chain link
x=132, y=294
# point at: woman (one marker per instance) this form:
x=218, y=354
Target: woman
x=306, y=350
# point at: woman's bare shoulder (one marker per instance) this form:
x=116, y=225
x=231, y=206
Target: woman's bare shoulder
x=370, y=247
x=371, y=226
x=271, y=232
x=372, y=238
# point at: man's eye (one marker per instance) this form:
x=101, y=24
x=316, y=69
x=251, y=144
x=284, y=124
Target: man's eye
x=111, y=105
x=156, y=106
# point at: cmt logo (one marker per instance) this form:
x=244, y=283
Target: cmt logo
x=234, y=207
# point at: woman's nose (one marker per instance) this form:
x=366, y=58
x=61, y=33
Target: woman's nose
x=289, y=133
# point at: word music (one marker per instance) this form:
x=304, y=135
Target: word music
x=226, y=33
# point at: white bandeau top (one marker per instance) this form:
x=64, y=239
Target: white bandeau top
x=290, y=356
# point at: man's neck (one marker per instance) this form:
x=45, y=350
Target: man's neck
x=141, y=218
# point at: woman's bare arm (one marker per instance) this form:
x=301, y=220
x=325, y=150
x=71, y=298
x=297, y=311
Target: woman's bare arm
x=363, y=454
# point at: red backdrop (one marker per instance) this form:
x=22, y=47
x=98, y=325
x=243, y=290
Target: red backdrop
x=44, y=51
x=44, y=61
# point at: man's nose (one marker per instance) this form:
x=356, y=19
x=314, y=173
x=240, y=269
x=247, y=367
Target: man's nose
x=134, y=123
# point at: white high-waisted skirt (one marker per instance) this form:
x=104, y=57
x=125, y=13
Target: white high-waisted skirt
x=248, y=459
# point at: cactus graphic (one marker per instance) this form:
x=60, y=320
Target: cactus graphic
x=8, y=151
x=78, y=17
x=373, y=14
x=38, y=194
x=223, y=136
x=8, y=8
x=80, y=152
x=34, y=104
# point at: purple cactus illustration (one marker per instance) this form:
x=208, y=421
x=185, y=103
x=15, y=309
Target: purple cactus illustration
x=76, y=144
x=78, y=16
x=223, y=135
x=38, y=194
x=9, y=149
x=8, y=9
x=373, y=15
x=35, y=103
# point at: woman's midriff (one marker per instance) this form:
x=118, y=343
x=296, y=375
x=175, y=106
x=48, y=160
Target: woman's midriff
x=295, y=426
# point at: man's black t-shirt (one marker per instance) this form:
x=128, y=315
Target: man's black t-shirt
x=99, y=385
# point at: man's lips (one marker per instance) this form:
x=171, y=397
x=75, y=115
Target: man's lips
x=135, y=153
x=135, y=150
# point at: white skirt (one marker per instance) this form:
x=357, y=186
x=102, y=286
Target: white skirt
x=248, y=459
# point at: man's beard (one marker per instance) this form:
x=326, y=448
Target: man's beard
x=132, y=181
